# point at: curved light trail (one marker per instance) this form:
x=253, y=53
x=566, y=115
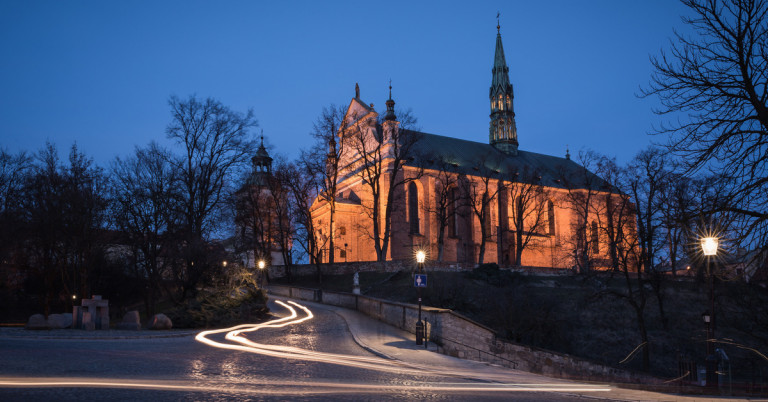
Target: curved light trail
x=374, y=363
x=277, y=386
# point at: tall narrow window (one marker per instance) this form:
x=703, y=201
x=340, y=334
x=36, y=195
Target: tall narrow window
x=452, y=212
x=413, y=207
x=551, y=217
x=486, y=214
x=595, y=243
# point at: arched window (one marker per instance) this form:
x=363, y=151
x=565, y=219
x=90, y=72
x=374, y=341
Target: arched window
x=551, y=217
x=595, y=243
x=413, y=207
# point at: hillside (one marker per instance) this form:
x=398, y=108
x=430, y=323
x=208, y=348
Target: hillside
x=583, y=316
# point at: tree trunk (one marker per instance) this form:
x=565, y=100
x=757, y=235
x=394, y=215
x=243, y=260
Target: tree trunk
x=440, y=243
x=332, y=232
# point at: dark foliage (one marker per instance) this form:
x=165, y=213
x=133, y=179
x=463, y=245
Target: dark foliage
x=220, y=309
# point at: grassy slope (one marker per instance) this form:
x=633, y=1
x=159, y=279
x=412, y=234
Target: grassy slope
x=568, y=314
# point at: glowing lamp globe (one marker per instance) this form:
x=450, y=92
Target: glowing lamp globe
x=709, y=245
x=420, y=256
x=261, y=264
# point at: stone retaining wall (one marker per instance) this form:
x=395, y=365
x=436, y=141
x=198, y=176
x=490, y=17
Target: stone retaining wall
x=341, y=268
x=461, y=337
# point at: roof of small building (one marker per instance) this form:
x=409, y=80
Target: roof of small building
x=433, y=151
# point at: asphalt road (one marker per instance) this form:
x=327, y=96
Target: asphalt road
x=182, y=368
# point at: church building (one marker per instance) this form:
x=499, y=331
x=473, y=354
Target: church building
x=263, y=227
x=463, y=202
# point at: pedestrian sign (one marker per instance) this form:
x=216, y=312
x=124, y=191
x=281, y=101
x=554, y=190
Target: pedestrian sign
x=420, y=280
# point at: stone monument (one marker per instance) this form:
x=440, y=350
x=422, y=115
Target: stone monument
x=91, y=314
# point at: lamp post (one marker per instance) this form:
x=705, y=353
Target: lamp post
x=709, y=248
x=262, y=264
x=420, y=257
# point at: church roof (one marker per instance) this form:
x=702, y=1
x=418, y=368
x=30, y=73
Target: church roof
x=479, y=159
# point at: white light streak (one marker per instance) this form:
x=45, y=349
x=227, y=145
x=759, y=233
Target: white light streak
x=278, y=386
x=235, y=334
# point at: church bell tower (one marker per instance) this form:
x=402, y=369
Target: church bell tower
x=503, y=131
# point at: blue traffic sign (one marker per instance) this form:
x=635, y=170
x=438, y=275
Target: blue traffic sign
x=420, y=280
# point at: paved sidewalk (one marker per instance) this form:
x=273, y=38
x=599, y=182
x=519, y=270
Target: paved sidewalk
x=393, y=343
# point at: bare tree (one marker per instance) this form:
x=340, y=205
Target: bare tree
x=715, y=79
x=328, y=152
x=447, y=202
x=529, y=210
x=281, y=210
x=380, y=160
x=582, y=191
x=86, y=205
x=43, y=207
x=254, y=217
x=481, y=190
x=215, y=144
x=648, y=172
x=14, y=171
x=145, y=195
x=677, y=207
x=64, y=211
x=303, y=189
x=618, y=219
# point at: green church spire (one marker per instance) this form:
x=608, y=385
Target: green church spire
x=503, y=130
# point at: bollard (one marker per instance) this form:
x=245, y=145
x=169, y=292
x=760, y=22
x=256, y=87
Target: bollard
x=419, y=332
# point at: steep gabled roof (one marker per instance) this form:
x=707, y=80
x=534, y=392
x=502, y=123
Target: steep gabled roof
x=356, y=111
x=478, y=159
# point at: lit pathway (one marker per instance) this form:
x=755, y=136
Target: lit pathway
x=309, y=352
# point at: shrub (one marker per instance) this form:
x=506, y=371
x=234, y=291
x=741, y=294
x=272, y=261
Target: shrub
x=221, y=309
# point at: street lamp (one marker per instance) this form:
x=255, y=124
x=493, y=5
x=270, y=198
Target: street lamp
x=420, y=257
x=261, y=264
x=709, y=248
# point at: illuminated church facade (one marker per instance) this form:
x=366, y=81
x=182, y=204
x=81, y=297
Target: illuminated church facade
x=463, y=202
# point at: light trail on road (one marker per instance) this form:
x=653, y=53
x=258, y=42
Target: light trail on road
x=374, y=363
x=470, y=384
x=274, y=387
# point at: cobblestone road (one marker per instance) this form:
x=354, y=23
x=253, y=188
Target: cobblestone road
x=180, y=368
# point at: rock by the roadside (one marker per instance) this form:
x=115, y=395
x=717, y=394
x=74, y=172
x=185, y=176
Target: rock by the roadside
x=160, y=321
x=130, y=321
x=37, y=321
x=59, y=321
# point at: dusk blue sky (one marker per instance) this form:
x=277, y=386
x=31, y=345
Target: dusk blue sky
x=100, y=73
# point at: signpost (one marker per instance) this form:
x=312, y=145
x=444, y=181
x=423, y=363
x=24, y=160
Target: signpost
x=420, y=280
